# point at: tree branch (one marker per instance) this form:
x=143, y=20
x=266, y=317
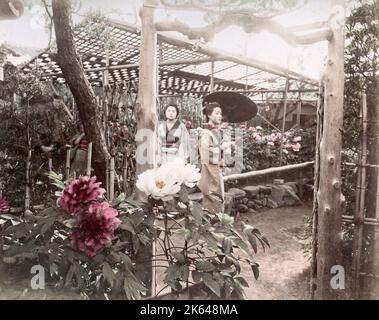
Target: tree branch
x=249, y=23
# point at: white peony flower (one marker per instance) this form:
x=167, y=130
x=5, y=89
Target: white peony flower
x=165, y=181
x=184, y=173
x=158, y=184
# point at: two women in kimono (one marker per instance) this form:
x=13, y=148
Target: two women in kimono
x=174, y=143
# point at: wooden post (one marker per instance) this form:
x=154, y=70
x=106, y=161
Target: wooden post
x=285, y=96
x=28, y=162
x=125, y=173
x=212, y=80
x=359, y=214
x=89, y=159
x=146, y=110
x=329, y=201
x=68, y=154
x=50, y=164
x=147, y=121
x=319, y=115
x=111, y=179
x=298, y=113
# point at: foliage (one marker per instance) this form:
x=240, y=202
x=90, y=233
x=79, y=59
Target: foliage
x=45, y=239
x=208, y=249
x=262, y=147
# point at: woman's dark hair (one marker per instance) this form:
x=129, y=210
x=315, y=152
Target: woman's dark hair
x=208, y=109
x=174, y=106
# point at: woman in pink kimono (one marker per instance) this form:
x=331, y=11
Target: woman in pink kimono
x=211, y=147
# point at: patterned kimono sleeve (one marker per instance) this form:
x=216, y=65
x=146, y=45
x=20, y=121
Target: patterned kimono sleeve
x=184, y=148
x=209, y=151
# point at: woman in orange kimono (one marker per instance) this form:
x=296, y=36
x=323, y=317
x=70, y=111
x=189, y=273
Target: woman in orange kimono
x=211, y=147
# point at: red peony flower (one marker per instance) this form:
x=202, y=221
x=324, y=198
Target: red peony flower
x=4, y=206
x=188, y=124
x=96, y=228
x=79, y=193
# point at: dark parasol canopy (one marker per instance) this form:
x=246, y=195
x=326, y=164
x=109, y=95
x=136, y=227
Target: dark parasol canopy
x=235, y=106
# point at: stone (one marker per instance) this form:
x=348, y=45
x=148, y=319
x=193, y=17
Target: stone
x=266, y=190
x=252, y=191
x=293, y=185
x=272, y=204
x=252, y=211
x=236, y=193
x=258, y=202
x=278, y=181
x=242, y=208
x=251, y=205
x=245, y=200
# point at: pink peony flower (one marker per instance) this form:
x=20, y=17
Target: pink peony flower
x=188, y=124
x=4, y=206
x=270, y=143
x=296, y=146
x=96, y=227
x=251, y=129
x=257, y=136
x=297, y=139
x=79, y=193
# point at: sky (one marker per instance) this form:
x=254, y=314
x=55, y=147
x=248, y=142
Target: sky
x=28, y=31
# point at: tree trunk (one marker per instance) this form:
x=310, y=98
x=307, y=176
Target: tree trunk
x=80, y=87
x=329, y=202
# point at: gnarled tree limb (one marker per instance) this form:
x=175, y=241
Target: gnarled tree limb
x=81, y=89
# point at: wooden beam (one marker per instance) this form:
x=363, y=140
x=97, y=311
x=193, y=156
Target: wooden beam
x=258, y=173
x=222, y=55
x=313, y=37
x=329, y=193
x=309, y=26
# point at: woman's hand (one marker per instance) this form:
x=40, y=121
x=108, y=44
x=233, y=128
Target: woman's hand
x=227, y=145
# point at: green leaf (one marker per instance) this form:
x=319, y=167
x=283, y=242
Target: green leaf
x=205, y=266
x=108, y=274
x=49, y=223
x=225, y=219
x=183, y=233
x=128, y=227
x=184, y=272
x=197, y=212
x=196, y=276
x=255, y=268
x=212, y=284
x=227, y=245
x=69, y=275
x=242, y=281
x=179, y=257
x=173, y=273
x=117, y=201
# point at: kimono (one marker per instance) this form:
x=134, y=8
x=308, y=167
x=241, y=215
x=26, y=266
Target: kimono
x=211, y=183
x=173, y=143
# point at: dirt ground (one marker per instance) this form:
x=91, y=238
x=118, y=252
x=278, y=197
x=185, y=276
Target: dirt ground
x=283, y=268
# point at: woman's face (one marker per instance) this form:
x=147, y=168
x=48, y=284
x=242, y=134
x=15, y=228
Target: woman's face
x=216, y=116
x=171, y=113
